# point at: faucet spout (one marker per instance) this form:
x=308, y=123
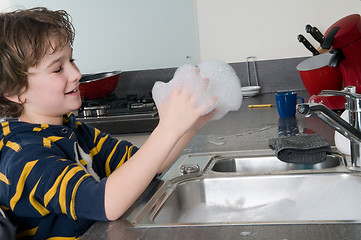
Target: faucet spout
x=350, y=131
x=331, y=119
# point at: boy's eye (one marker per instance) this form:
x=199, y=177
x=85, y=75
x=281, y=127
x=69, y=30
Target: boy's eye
x=58, y=70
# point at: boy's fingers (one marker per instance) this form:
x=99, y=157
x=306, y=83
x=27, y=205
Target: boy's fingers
x=210, y=105
x=206, y=83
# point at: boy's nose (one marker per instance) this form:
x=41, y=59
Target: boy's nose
x=75, y=75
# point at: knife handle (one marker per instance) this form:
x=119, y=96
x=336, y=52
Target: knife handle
x=317, y=35
x=308, y=28
x=307, y=44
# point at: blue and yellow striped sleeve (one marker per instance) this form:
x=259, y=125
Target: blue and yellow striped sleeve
x=108, y=153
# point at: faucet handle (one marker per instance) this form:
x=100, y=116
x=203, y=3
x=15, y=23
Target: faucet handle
x=352, y=98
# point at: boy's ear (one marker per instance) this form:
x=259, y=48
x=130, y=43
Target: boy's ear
x=14, y=98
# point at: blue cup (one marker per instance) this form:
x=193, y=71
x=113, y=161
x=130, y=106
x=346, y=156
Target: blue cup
x=286, y=103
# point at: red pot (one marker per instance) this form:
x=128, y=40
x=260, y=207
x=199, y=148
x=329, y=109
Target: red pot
x=99, y=85
x=316, y=75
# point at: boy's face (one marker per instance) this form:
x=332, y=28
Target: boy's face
x=53, y=88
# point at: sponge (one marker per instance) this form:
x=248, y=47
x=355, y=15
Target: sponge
x=303, y=148
x=223, y=83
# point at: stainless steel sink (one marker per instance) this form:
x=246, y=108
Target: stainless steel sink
x=269, y=164
x=274, y=199
x=249, y=189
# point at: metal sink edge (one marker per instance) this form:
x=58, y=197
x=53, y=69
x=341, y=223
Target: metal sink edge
x=143, y=217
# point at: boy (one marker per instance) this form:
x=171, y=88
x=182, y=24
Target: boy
x=58, y=175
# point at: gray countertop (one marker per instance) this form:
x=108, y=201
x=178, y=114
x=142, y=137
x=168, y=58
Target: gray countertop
x=250, y=128
x=246, y=129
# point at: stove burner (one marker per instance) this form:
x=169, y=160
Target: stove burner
x=99, y=110
x=111, y=114
x=140, y=105
x=114, y=106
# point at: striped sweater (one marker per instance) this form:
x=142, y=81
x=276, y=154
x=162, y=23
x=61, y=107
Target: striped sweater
x=52, y=178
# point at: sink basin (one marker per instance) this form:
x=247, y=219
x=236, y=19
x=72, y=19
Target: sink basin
x=269, y=164
x=252, y=188
x=259, y=199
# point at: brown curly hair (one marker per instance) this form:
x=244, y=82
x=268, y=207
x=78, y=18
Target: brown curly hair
x=24, y=41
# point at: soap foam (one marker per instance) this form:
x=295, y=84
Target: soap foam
x=223, y=83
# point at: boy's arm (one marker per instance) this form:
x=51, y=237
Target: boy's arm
x=178, y=123
x=125, y=184
x=183, y=142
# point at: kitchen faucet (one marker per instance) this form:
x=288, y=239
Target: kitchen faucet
x=351, y=130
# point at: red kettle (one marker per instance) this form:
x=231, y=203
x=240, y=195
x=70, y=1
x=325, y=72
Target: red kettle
x=344, y=37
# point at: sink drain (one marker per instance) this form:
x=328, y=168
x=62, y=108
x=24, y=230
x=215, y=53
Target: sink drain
x=187, y=169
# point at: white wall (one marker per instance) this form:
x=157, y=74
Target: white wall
x=127, y=34
x=146, y=34
x=232, y=30
x=4, y=4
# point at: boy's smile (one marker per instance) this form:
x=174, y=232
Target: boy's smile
x=53, y=88
x=75, y=91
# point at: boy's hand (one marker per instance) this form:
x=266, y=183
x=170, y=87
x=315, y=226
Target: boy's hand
x=181, y=112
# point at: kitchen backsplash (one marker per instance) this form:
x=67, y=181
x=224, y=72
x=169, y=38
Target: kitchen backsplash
x=273, y=75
